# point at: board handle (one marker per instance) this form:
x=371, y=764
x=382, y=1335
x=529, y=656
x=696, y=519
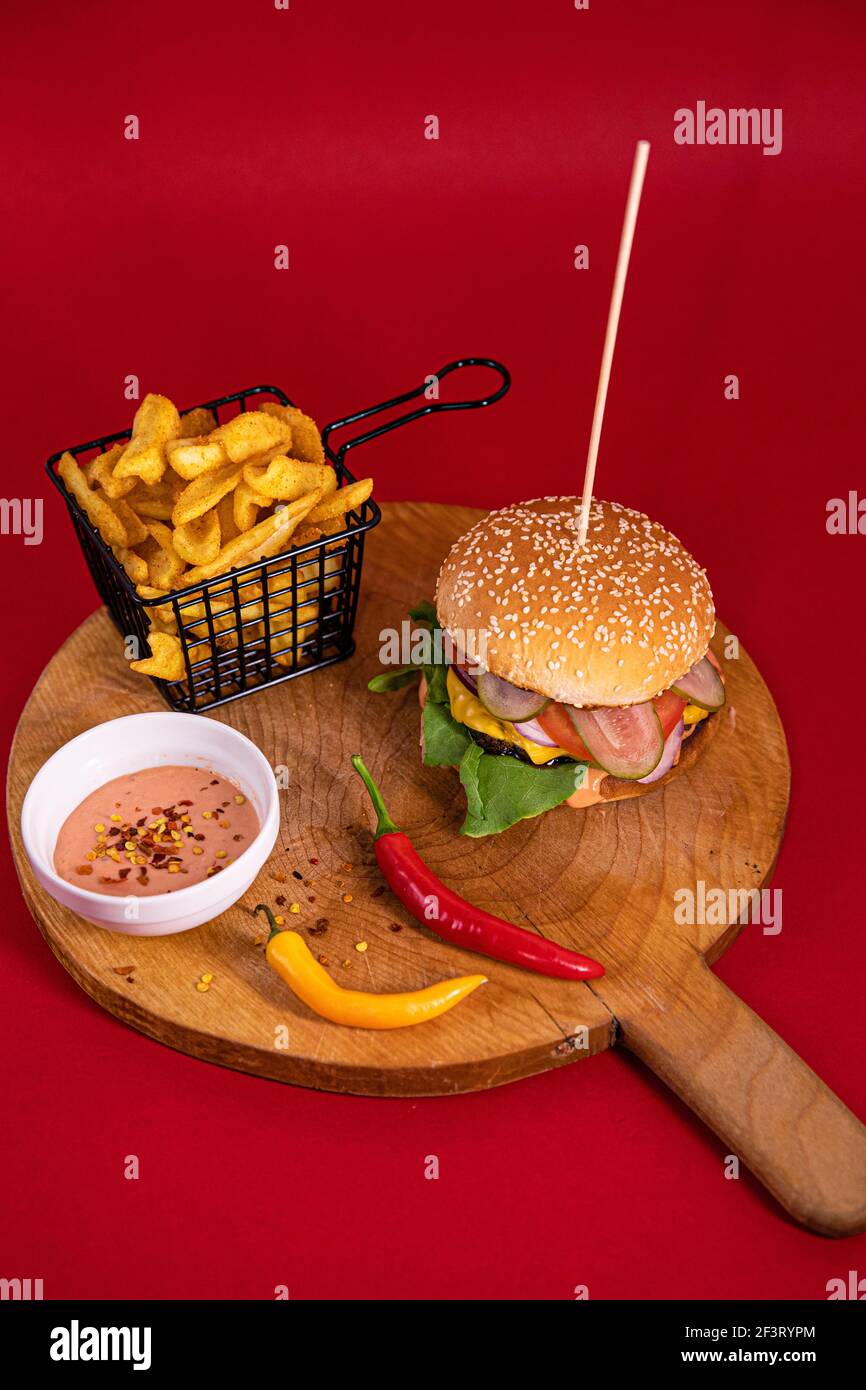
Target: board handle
x=760, y=1098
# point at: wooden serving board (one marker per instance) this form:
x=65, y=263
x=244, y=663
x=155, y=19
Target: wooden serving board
x=601, y=880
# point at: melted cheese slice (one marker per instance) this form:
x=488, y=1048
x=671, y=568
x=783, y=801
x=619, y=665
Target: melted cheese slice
x=467, y=709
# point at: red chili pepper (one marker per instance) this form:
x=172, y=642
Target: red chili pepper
x=454, y=919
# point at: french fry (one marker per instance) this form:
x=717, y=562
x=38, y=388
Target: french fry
x=203, y=493
x=345, y=499
x=156, y=421
x=223, y=602
x=164, y=563
x=157, y=507
x=268, y=538
x=163, y=535
x=247, y=505
x=252, y=433
x=164, y=614
x=198, y=541
x=136, y=531
x=166, y=660
x=158, y=501
x=306, y=439
x=90, y=471
x=134, y=565
x=284, y=479
x=191, y=457
x=330, y=481
x=95, y=505
x=99, y=472
x=306, y=534
x=197, y=422
x=226, y=514
x=281, y=645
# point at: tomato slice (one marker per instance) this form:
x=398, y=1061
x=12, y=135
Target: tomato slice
x=669, y=708
x=557, y=725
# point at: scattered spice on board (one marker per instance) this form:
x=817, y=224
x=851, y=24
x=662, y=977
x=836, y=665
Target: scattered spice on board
x=396, y=926
x=319, y=928
x=360, y=946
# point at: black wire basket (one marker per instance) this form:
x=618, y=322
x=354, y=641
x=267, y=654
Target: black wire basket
x=273, y=619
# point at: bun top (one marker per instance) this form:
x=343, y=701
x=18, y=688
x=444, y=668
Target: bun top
x=613, y=622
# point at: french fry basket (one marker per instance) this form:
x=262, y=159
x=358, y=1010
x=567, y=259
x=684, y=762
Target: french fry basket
x=273, y=619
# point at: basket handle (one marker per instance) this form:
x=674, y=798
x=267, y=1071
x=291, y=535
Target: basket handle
x=428, y=409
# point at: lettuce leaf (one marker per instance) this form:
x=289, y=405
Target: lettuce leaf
x=500, y=790
x=445, y=741
x=425, y=614
x=437, y=684
x=394, y=679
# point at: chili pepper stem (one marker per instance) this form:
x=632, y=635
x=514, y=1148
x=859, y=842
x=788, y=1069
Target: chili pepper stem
x=275, y=930
x=384, y=824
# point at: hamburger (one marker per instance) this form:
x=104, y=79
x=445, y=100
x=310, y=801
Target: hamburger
x=573, y=675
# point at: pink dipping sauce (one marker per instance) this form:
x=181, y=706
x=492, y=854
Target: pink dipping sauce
x=155, y=831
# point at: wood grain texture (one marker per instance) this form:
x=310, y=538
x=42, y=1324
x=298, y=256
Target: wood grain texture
x=602, y=880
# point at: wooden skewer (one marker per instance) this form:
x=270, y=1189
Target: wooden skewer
x=641, y=155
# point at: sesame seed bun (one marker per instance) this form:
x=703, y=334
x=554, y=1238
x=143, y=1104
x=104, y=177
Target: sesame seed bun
x=614, y=622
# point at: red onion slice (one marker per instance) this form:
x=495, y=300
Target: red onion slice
x=673, y=743
x=468, y=680
x=531, y=729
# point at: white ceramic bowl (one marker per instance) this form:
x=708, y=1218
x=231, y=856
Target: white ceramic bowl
x=131, y=744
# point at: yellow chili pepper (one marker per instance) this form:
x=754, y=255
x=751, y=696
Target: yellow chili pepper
x=289, y=955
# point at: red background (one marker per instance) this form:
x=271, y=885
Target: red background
x=305, y=127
